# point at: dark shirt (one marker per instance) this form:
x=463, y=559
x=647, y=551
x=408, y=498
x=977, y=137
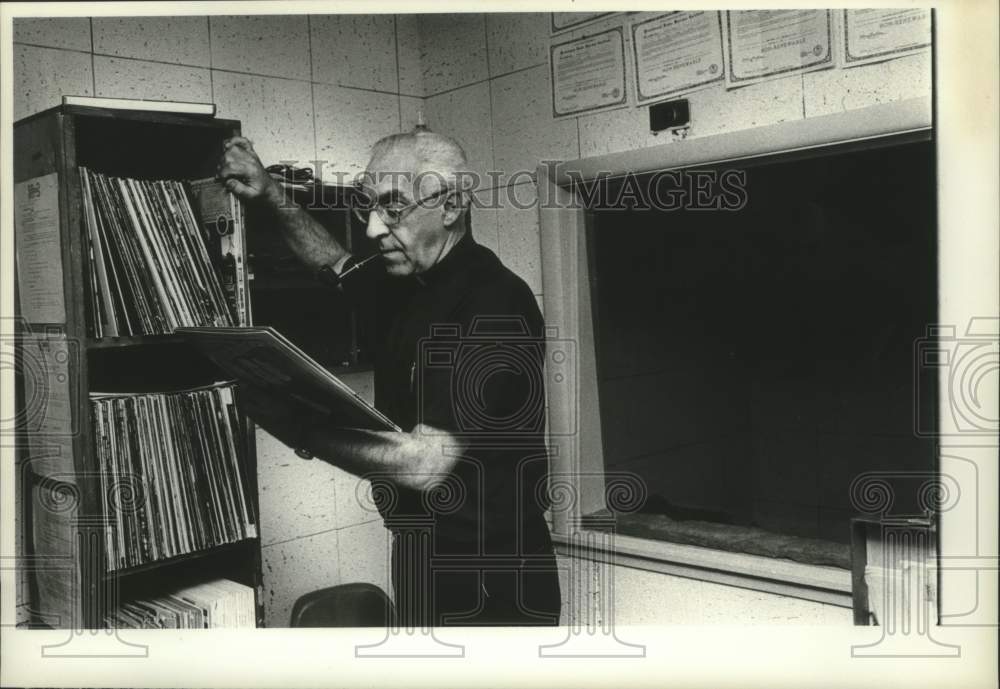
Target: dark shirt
x=461, y=348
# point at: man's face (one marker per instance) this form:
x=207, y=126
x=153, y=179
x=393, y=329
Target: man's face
x=414, y=244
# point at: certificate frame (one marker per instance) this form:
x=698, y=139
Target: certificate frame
x=734, y=81
x=592, y=17
x=623, y=101
x=850, y=61
x=643, y=99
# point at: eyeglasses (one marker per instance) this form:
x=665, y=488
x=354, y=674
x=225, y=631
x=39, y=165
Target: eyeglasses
x=362, y=205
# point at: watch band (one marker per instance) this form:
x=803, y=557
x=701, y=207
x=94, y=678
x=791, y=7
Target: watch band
x=328, y=276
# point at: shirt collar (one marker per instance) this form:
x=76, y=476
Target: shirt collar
x=452, y=263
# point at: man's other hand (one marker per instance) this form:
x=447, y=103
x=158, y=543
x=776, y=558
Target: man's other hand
x=244, y=175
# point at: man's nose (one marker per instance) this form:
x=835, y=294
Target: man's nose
x=376, y=228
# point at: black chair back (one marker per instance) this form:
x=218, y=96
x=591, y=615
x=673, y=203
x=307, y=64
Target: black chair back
x=346, y=605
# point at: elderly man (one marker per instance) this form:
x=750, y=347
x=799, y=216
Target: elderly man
x=458, y=365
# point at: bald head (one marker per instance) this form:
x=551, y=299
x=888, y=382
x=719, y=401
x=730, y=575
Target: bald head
x=420, y=153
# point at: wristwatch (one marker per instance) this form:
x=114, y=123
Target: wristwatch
x=330, y=277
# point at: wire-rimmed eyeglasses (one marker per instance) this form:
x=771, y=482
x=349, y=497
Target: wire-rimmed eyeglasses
x=391, y=214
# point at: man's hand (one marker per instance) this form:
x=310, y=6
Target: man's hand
x=244, y=175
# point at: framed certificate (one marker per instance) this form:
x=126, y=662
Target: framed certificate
x=876, y=35
x=588, y=74
x=676, y=52
x=561, y=21
x=767, y=44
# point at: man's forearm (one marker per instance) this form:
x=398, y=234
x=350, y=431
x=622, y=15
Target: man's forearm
x=417, y=460
x=305, y=236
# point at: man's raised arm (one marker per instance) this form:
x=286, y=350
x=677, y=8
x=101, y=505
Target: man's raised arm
x=244, y=176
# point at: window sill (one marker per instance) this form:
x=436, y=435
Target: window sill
x=822, y=584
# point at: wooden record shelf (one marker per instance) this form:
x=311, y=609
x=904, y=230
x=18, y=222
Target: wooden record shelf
x=49, y=147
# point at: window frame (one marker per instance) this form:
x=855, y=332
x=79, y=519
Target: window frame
x=579, y=483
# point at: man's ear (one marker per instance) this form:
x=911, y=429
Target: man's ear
x=454, y=206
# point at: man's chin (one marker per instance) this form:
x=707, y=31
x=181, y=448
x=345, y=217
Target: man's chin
x=398, y=269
